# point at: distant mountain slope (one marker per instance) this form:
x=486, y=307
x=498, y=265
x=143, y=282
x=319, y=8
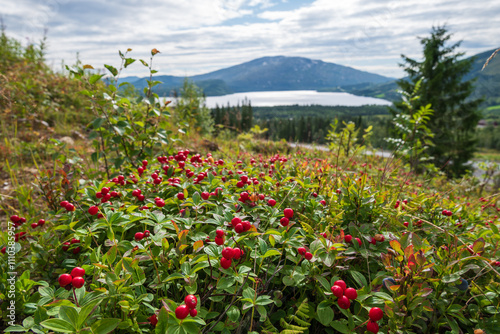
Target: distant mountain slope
x=271, y=74
x=487, y=82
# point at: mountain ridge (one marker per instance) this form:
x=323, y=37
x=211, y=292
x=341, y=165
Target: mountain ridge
x=271, y=73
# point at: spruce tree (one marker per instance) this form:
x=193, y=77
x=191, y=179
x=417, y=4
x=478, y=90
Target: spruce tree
x=455, y=114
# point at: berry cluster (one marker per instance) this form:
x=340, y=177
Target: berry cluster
x=74, y=280
x=67, y=205
x=240, y=226
x=348, y=239
x=228, y=254
x=307, y=255
x=288, y=214
x=67, y=244
x=344, y=294
x=106, y=194
x=188, y=308
x=18, y=221
x=447, y=213
x=375, y=315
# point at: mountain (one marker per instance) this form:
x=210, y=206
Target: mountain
x=270, y=74
x=487, y=83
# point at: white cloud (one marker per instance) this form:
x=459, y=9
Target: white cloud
x=198, y=36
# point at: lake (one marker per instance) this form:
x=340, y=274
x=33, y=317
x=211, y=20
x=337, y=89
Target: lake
x=300, y=97
x=293, y=97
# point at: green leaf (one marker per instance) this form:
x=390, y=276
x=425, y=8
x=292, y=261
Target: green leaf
x=105, y=326
x=113, y=70
x=271, y=252
x=94, y=78
x=58, y=325
x=162, y=325
x=478, y=245
x=128, y=61
x=86, y=310
x=233, y=313
x=451, y=278
x=70, y=315
x=15, y=328
x=340, y=326
x=325, y=312
x=324, y=282
x=359, y=278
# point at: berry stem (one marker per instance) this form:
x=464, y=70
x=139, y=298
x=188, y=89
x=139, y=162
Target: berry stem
x=76, y=299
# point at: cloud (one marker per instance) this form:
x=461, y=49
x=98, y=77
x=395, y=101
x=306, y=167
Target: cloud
x=198, y=36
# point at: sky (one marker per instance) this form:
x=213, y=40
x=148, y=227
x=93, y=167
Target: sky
x=200, y=36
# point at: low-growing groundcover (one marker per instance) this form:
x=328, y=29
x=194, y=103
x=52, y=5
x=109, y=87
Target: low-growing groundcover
x=275, y=244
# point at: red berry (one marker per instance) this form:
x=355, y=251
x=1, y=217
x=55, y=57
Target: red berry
x=66, y=246
x=288, y=213
x=228, y=253
x=284, y=221
x=104, y=190
x=180, y=196
x=344, y=302
x=406, y=224
x=359, y=242
x=205, y=195
x=14, y=218
x=375, y=314
x=76, y=250
x=372, y=327
x=348, y=238
x=34, y=225
x=182, y=312
x=351, y=293
x=193, y=312
x=77, y=272
x=191, y=301
x=219, y=241
x=271, y=202
x=147, y=234
x=159, y=203
x=246, y=225
x=41, y=222
x=235, y=221
x=239, y=228
x=219, y=233
x=237, y=253
x=64, y=203
x=153, y=320
x=65, y=279
x=225, y=263
x=323, y=202
x=144, y=163
x=337, y=291
x=70, y=207
x=78, y=282
x=301, y=250
x=93, y=210
x=139, y=236
x=341, y=283
x=308, y=256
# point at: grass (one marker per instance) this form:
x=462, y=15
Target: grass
x=487, y=154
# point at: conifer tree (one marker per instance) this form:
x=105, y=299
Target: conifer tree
x=456, y=115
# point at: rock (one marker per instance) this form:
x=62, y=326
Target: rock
x=67, y=140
